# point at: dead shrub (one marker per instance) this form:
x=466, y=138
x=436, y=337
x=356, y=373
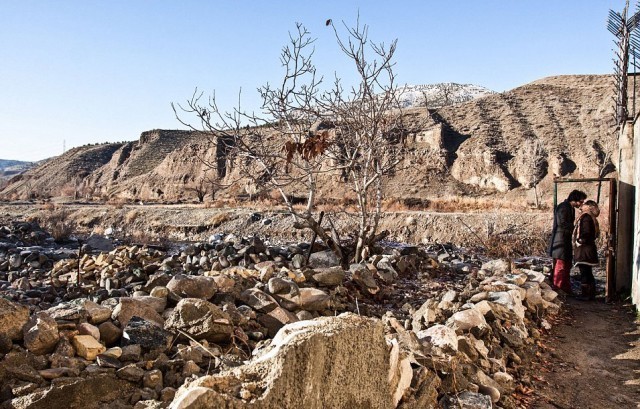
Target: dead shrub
x=59, y=225
x=515, y=246
x=143, y=237
x=68, y=190
x=131, y=216
x=219, y=218
x=117, y=202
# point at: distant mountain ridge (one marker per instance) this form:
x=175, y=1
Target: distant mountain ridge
x=495, y=143
x=9, y=168
x=440, y=95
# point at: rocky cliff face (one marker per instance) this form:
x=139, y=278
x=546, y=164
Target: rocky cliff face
x=507, y=142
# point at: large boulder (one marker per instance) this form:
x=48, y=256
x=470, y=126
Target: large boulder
x=91, y=392
x=309, y=364
x=468, y=320
x=41, y=334
x=512, y=300
x=183, y=286
x=201, y=320
x=258, y=300
x=441, y=337
x=323, y=259
x=131, y=307
x=12, y=318
x=148, y=335
x=310, y=299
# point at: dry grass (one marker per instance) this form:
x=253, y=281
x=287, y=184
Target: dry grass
x=219, y=218
x=48, y=207
x=515, y=245
x=144, y=237
x=117, y=202
x=131, y=216
x=59, y=225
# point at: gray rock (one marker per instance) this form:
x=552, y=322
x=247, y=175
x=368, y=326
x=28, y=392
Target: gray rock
x=146, y=334
x=130, y=373
x=323, y=259
x=466, y=400
x=425, y=315
x=100, y=243
x=258, y=300
x=277, y=285
x=440, y=336
x=70, y=311
x=511, y=300
x=131, y=307
x=182, y=286
x=468, y=320
x=497, y=267
x=77, y=392
x=329, y=277
x=157, y=303
x=386, y=272
x=201, y=320
x=298, y=261
x=108, y=361
x=304, y=315
x=131, y=352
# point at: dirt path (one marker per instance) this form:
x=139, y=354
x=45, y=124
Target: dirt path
x=590, y=359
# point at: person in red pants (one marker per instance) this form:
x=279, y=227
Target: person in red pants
x=560, y=248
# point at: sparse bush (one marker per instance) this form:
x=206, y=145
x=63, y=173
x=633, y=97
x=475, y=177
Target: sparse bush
x=131, y=216
x=58, y=224
x=513, y=246
x=117, y=202
x=219, y=218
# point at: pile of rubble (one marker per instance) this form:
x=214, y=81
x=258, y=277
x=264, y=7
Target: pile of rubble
x=240, y=321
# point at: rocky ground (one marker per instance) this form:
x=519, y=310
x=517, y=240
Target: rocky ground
x=109, y=325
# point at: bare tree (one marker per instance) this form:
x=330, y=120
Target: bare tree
x=306, y=133
x=535, y=166
x=200, y=187
x=447, y=91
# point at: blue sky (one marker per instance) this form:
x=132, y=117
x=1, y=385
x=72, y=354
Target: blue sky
x=78, y=72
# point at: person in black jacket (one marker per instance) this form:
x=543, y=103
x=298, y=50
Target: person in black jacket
x=585, y=234
x=560, y=248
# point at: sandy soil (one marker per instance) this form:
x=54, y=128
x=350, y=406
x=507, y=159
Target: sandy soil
x=590, y=359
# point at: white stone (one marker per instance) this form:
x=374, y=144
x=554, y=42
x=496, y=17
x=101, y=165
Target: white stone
x=467, y=320
x=440, y=336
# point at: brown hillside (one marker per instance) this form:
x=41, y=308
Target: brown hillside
x=482, y=146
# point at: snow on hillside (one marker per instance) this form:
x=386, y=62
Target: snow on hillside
x=438, y=95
